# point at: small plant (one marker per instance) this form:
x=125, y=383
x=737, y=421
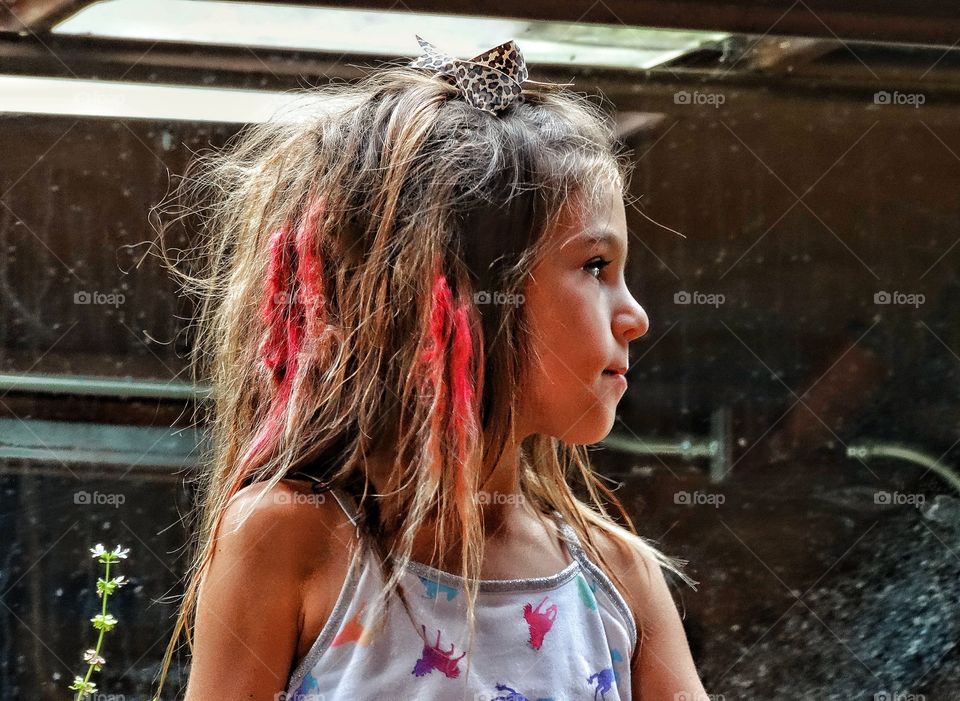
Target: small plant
x=103, y=621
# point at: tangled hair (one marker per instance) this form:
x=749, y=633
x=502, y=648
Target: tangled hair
x=340, y=255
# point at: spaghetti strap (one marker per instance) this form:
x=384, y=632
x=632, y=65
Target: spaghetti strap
x=576, y=549
x=568, y=532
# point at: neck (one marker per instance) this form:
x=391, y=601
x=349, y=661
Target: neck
x=502, y=505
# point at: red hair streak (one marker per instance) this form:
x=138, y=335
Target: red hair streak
x=274, y=350
x=294, y=311
x=461, y=373
x=450, y=343
x=434, y=360
x=310, y=270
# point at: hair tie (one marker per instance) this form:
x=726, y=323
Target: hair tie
x=491, y=80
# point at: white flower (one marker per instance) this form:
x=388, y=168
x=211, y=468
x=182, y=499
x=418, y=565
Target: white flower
x=83, y=687
x=91, y=657
x=104, y=622
x=98, y=551
x=121, y=552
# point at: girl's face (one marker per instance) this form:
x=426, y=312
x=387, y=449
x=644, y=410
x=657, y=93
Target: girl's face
x=582, y=317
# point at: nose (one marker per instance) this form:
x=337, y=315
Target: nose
x=632, y=321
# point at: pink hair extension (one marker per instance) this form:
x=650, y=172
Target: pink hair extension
x=274, y=350
x=272, y=425
x=310, y=270
x=293, y=309
x=450, y=342
x=278, y=350
x=462, y=389
x=434, y=360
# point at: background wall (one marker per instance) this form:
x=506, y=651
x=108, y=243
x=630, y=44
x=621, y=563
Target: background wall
x=802, y=198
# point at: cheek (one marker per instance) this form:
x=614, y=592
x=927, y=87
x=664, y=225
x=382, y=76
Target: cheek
x=569, y=342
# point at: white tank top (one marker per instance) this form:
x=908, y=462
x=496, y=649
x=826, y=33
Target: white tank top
x=563, y=637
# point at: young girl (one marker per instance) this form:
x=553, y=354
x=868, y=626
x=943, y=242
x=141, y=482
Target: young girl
x=414, y=319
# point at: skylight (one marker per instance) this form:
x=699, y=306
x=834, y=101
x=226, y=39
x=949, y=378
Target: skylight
x=331, y=31
x=338, y=31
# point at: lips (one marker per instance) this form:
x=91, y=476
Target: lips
x=616, y=377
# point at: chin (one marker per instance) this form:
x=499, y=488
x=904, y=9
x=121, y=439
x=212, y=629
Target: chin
x=589, y=430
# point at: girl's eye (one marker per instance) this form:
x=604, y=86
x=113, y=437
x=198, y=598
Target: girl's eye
x=598, y=263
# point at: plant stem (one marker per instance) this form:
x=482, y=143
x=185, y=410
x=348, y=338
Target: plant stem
x=103, y=611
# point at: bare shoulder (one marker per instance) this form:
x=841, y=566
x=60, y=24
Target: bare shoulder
x=250, y=609
x=633, y=564
x=661, y=664
x=300, y=520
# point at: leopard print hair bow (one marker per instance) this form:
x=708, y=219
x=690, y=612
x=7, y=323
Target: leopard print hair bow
x=491, y=80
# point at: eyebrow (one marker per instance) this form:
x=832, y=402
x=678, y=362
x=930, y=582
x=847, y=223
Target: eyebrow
x=602, y=237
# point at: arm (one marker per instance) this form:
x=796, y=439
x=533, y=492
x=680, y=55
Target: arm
x=248, y=608
x=662, y=668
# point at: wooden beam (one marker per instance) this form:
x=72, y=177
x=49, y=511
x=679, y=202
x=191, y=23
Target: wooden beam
x=273, y=69
x=781, y=54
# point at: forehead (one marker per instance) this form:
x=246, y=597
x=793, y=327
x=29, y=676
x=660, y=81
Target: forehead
x=602, y=224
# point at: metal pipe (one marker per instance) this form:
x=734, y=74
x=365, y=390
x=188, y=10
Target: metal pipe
x=718, y=447
x=899, y=451
x=100, y=386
